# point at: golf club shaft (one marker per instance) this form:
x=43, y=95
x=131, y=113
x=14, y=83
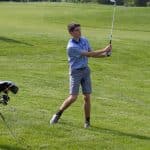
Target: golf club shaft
x=112, y=26
x=5, y=123
x=19, y=141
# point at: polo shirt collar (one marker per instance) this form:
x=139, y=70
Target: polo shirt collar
x=75, y=41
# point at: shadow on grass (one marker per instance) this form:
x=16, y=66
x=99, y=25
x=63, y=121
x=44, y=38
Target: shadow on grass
x=110, y=131
x=119, y=133
x=10, y=147
x=5, y=39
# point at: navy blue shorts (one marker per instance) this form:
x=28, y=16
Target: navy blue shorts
x=80, y=77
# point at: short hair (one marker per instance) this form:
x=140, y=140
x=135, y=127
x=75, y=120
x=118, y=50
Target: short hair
x=72, y=26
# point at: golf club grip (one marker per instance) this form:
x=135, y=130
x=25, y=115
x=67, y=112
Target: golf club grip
x=110, y=42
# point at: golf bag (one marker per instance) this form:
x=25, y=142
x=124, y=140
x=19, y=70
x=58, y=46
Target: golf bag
x=5, y=87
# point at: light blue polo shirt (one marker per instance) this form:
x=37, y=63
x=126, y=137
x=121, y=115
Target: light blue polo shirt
x=74, y=49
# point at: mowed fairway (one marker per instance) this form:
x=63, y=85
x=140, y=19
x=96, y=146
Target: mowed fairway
x=33, y=40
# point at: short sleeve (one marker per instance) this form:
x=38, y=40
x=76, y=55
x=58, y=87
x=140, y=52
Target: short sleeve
x=73, y=52
x=89, y=46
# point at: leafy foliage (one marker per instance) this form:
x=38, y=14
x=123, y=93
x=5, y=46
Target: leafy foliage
x=119, y=2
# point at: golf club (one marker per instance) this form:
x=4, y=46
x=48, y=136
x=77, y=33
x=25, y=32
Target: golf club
x=5, y=123
x=20, y=140
x=112, y=26
x=5, y=87
x=113, y=19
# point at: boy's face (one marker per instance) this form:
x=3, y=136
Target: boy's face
x=76, y=33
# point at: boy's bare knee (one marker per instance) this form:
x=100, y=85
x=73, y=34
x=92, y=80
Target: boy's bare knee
x=73, y=98
x=87, y=97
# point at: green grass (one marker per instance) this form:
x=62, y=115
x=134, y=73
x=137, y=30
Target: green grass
x=33, y=40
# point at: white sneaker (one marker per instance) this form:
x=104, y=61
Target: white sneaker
x=54, y=119
x=86, y=125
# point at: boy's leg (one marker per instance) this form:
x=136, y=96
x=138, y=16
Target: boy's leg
x=68, y=102
x=87, y=110
x=64, y=106
x=87, y=90
x=74, y=90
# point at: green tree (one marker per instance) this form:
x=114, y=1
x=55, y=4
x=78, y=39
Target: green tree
x=129, y=2
x=141, y=2
x=119, y=2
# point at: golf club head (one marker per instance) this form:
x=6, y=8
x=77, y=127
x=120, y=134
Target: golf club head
x=14, y=89
x=4, y=99
x=6, y=86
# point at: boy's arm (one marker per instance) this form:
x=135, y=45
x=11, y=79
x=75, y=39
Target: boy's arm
x=98, y=53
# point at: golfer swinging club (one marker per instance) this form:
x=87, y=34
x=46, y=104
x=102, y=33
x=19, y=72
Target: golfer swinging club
x=78, y=50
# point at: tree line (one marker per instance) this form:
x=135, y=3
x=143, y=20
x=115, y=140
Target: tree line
x=119, y=2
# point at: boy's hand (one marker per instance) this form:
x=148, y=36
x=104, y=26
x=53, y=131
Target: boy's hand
x=108, y=48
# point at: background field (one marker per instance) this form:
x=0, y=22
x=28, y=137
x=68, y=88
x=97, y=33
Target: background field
x=33, y=40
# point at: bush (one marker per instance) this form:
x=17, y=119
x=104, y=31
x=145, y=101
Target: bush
x=141, y=2
x=54, y=0
x=129, y=2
